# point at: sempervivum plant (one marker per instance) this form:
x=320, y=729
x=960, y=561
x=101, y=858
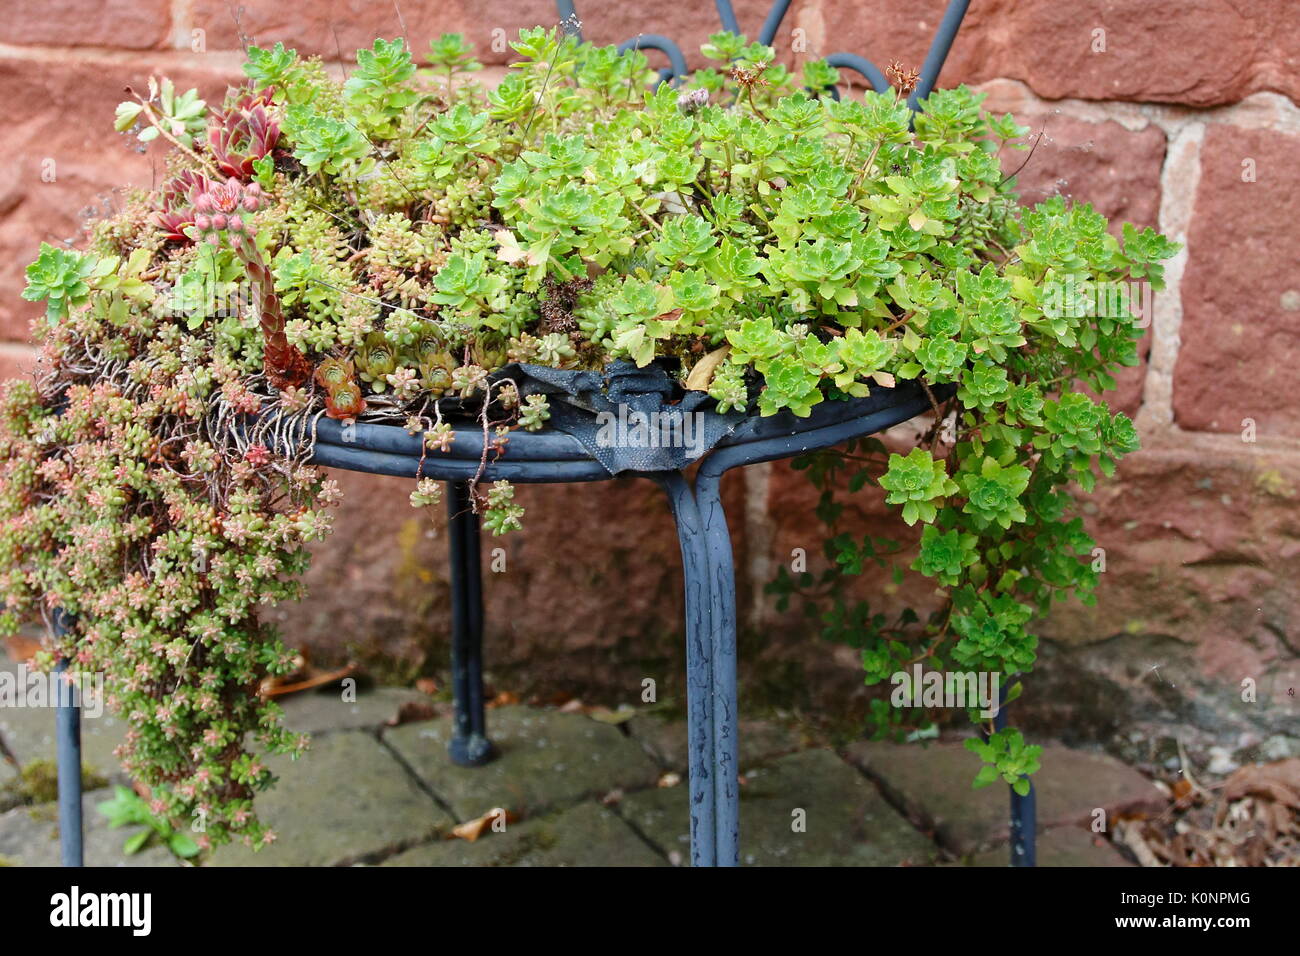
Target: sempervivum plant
x=243, y=133
x=219, y=211
x=380, y=248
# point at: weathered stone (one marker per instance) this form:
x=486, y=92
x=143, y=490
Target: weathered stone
x=1061, y=846
x=28, y=732
x=545, y=759
x=127, y=24
x=1199, y=538
x=1114, y=168
x=1213, y=52
x=62, y=161
x=325, y=711
x=1239, y=305
x=29, y=836
x=338, y=29
x=933, y=784
x=760, y=740
x=587, y=835
x=347, y=800
x=847, y=822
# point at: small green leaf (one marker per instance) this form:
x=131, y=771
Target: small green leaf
x=135, y=843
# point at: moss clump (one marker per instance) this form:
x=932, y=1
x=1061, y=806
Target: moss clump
x=38, y=782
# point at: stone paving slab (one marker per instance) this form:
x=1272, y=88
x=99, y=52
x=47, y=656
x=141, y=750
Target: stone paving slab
x=29, y=836
x=933, y=784
x=1060, y=846
x=28, y=732
x=326, y=711
x=347, y=800
x=545, y=759
x=760, y=740
x=585, y=835
x=847, y=821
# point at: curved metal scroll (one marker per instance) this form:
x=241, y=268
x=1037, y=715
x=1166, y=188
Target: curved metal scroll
x=934, y=59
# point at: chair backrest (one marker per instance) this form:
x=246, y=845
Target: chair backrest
x=934, y=59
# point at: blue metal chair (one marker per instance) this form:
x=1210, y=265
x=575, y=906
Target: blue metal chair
x=552, y=457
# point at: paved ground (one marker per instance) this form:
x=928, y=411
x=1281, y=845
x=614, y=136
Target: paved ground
x=586, y=790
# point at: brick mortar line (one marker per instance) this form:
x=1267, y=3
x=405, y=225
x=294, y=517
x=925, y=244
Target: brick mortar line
x=97, y=55
x=1261, y=108
x=1229, y=443
x=1180, y=179
x=182, y=24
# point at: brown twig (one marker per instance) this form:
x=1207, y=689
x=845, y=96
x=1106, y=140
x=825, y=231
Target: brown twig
x=167, y=135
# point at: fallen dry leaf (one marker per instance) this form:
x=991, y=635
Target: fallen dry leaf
x=1130, y=834
x=20, y=647
x=615, y=717
x=1250, y=819
x=412, y=711
x=702, y=372
x=1278, y=782
x=427, y=685
x=471, y=830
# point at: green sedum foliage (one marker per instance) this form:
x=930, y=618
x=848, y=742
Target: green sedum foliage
x=390, y=242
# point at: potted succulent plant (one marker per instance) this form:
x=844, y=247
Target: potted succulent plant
x=409, y=247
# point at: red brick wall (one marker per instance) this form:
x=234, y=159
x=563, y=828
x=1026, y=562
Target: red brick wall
x=1179, y=115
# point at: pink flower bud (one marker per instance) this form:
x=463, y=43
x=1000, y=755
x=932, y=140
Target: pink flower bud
x=203, y=222
x=214, y=239
x=251, y=203
x=236, y=224
x=252, y=189
x=219, y=221
x=203, y=203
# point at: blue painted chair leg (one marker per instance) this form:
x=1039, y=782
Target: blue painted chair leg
x=726, y=737
x=469, y=745
x=1024, y=828
x=699, y=656
x=67, y=736
x=939, y=47
x=1024, y=810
